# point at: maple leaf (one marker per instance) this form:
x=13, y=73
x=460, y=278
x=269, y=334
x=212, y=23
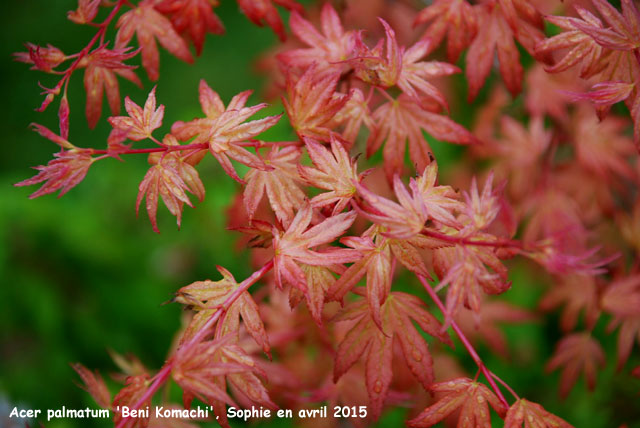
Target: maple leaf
x=294, y=245
x=498, y=25
x=578, y=293
x=62, y=173
x=376, y=264
x=601, y=146
x=149, y=25
x=94, y=385
x=327, y=49
x=403, y=119
x=43, y=59
x=102, y=68
x=402, y=221
x=193, y=17
x=335, y=171
x=575, y=353
x=524, y=413
x=622, y=299
x=582, y=48
x=519, y=151
x=471, y=397
x=208, y=296
x=204, y=370
x=128, y=396
x=352, y=116
x=319, y=279
x=397, y=314
x=440, y=201
x=170, y=177
x=223, y=129
x=264, y=10
x=85, y=13
x=454, y=18
x=313, y=119
x=606, y=53
x=200, y=370
x=140, y=123
x=468, y=270
x=551, y=91
x=413, y=75
x=480, y=210
x=382, y=65
x=400, y=67
x=279, y=183
x=624, y=30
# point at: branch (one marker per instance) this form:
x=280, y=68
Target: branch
x=164, y=148
x=485, y=371
x=163, y=375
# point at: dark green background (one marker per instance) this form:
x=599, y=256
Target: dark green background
x=81, y=274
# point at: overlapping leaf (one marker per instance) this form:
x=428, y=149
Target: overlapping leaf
x=279, y=183
x=401, y=221
x=472, y=398
x=102, y=68
x=196, y=18
x=365, y=338
x=335, y=171
x=312, y=103
x=578, y=352
x=404, y=119
x=524, y=414
x=149, y=25
x=170, y=177
x=326, y=49
x=454, y=18
x=208, y=296
x=85, y=13
x=294, y=245
x=499, y=25
x=223, y=128
x=376, y=264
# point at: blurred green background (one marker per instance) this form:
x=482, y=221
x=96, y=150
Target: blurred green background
x=81, y=274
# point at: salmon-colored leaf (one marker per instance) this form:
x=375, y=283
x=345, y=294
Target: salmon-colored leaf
x=264, y=10
x=140, y=123
x=223, y=128
x=578, y=352
x=472, y=398
x=524, y=413
x=150, y=25
x=195, y=18
x=293, y=246
x=366, y=338
x=454, y=18
x=94, y=385
x=279, y=183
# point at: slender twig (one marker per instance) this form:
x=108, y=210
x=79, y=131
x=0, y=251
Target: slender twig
x=164, y=148
x=506, y=386
x=102, y=28
x=465, y=342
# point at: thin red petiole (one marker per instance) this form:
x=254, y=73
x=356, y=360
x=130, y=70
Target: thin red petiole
x=465, y=342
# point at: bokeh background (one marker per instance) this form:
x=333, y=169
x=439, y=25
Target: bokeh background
x=81, y=274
